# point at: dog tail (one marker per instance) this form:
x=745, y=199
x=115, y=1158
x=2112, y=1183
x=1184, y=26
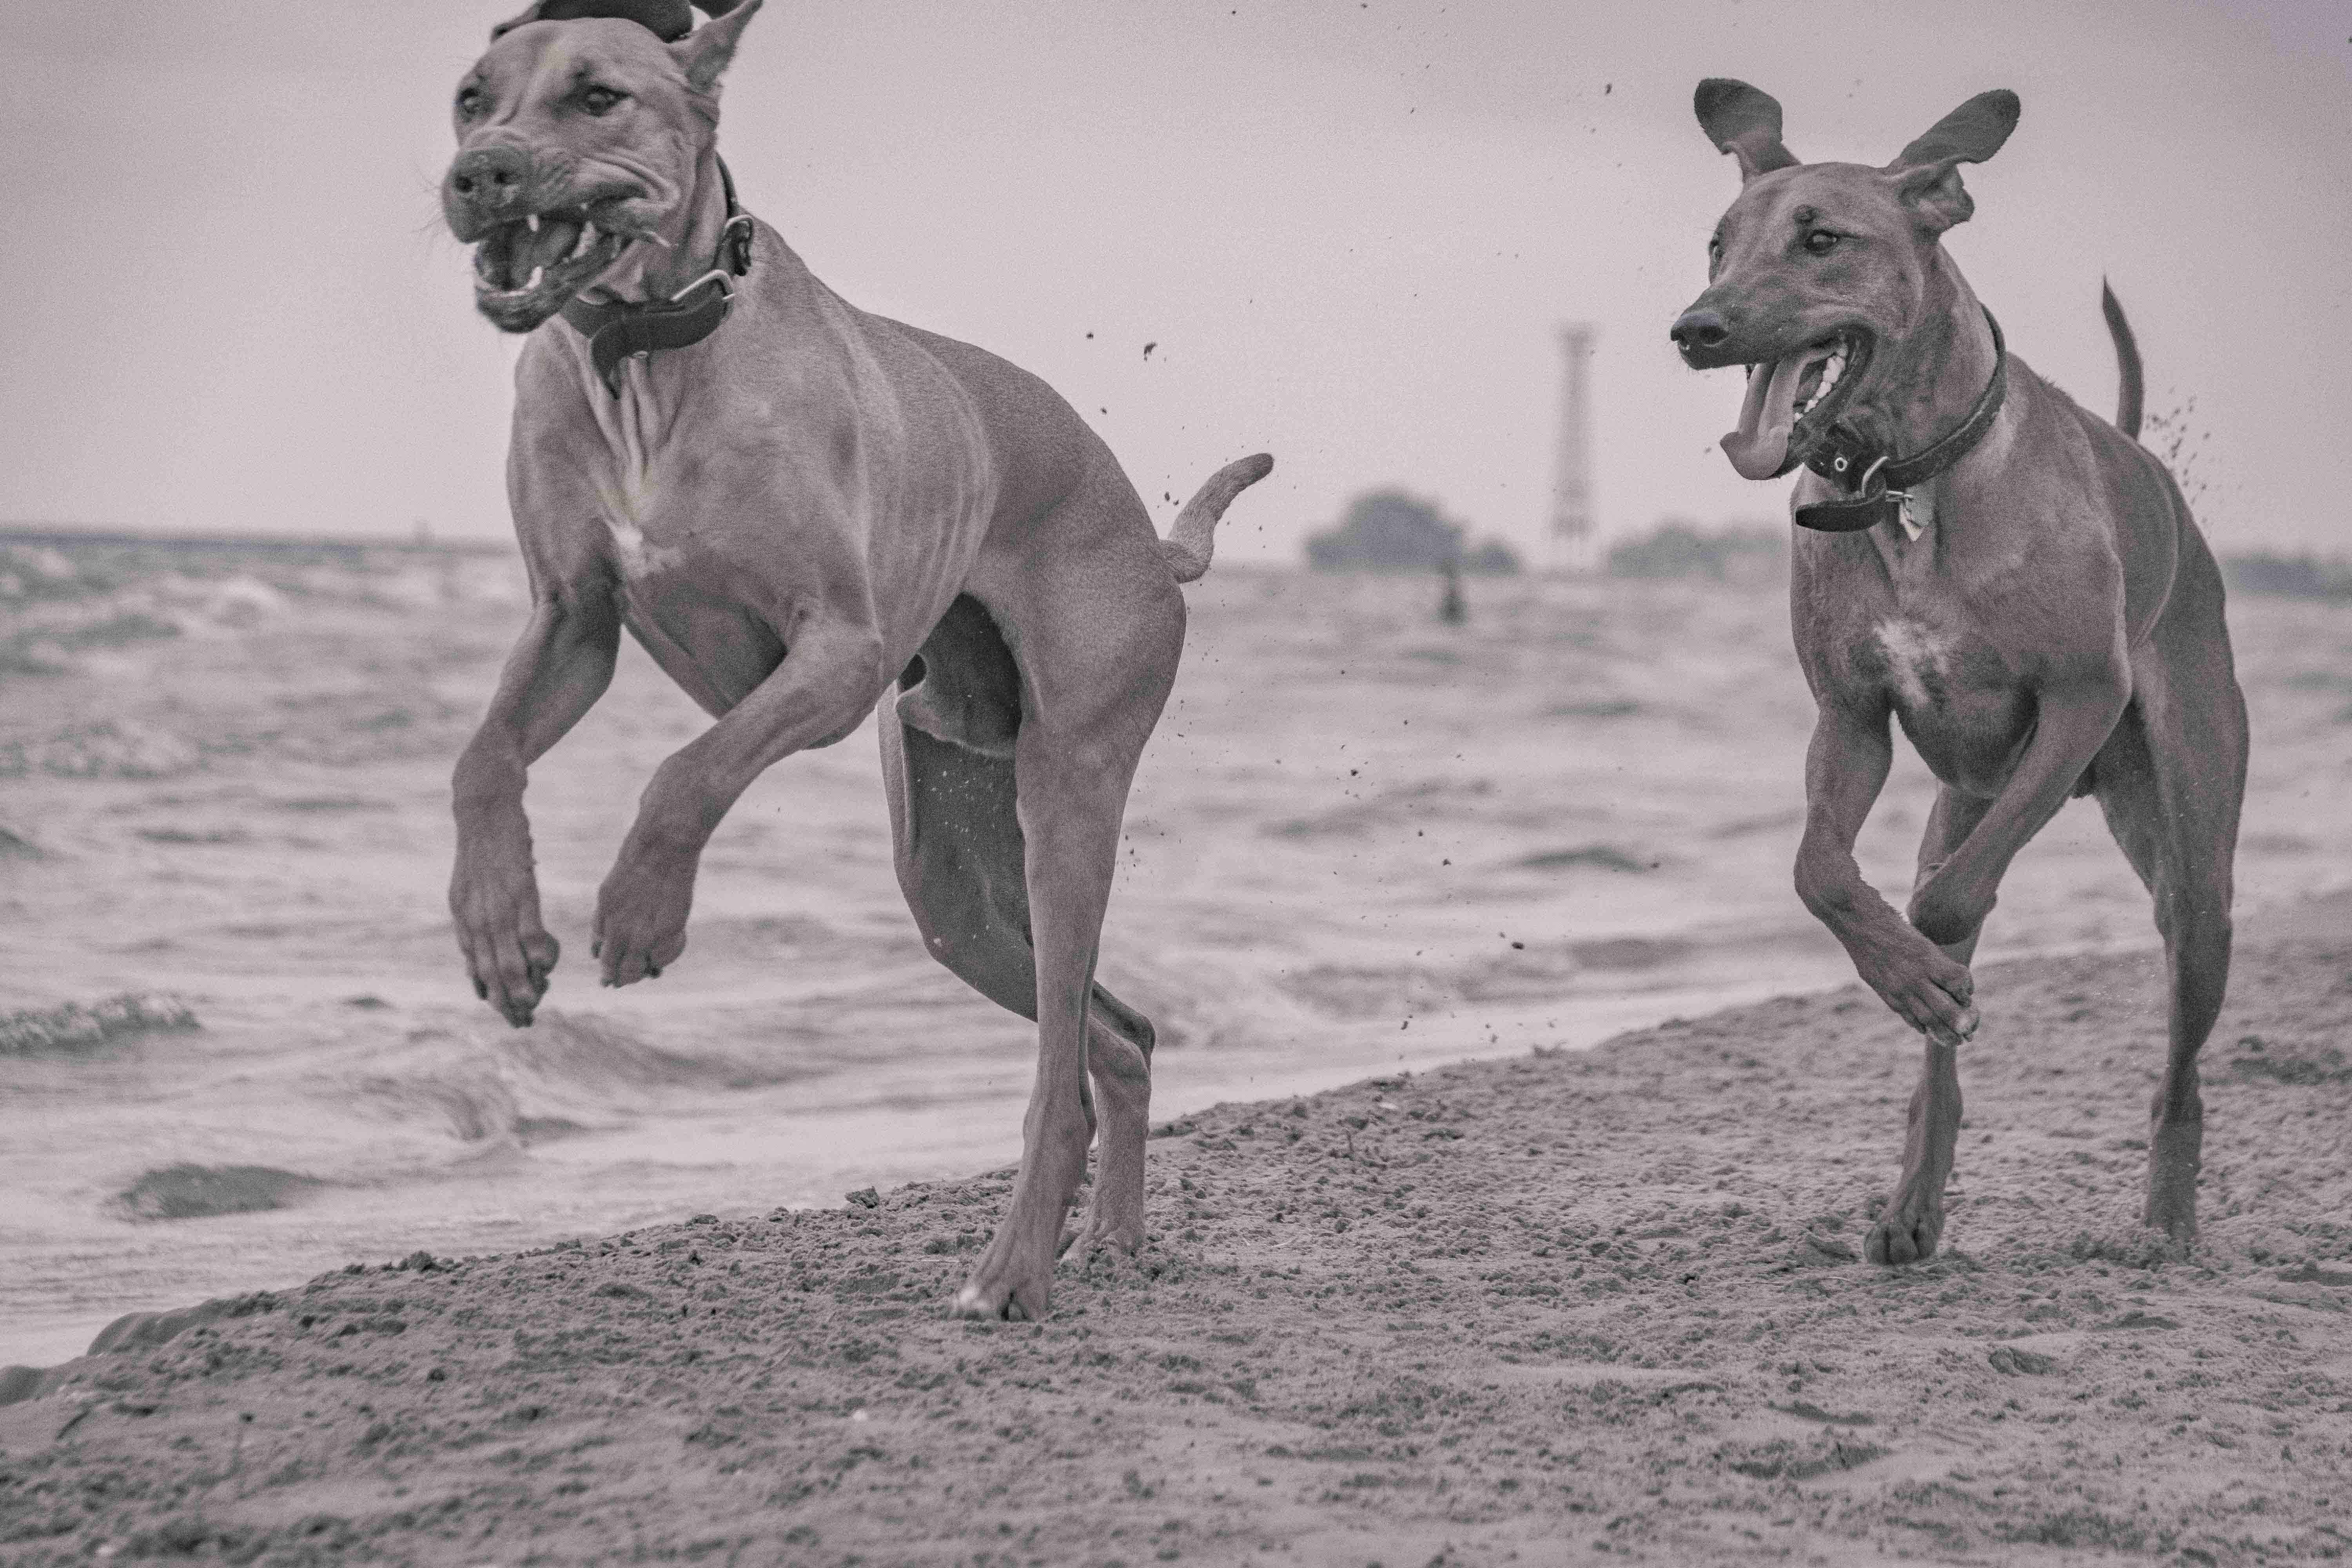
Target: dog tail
x=2128, y=397
x=1193, y=539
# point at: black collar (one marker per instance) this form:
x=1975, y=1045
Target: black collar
x=1880, y=481
x=617, y=329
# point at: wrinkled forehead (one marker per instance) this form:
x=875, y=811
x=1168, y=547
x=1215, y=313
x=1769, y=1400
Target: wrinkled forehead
x=616, y=53
x=1848, y=195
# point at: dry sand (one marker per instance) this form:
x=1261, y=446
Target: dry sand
x=1542, y=1310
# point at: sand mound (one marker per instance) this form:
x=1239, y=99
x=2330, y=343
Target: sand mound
x=1535, y=1310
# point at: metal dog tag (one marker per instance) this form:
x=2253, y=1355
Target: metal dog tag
x=1918, y=512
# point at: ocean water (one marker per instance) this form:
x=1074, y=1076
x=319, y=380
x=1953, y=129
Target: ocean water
x=1361, y=840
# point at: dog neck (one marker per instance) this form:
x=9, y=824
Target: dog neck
x=1934, y=373
x=685, y=244
x=619, y=329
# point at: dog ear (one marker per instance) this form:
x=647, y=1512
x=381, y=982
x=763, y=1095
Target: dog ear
x=1744, y=121
x=703, y=53
x=1927, y=173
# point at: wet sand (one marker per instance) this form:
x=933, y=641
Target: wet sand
x=1561, y=1307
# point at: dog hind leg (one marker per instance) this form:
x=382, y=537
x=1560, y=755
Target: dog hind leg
x=1911, y=1224
x=2170, y=780
x=1118, y=1060
x=1096, y=625
x=961, y=856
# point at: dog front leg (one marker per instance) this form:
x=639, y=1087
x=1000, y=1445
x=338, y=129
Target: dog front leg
x=1844, y=770
x=822, y=690
x=556, y=674
x=1951, y=901
x=1845, y=767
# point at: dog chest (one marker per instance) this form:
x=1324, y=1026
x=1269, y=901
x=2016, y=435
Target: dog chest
x=1954, y=693
x=629, y=492
x=1915, y=658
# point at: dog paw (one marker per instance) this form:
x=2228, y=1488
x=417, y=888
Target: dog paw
x=1099, y=1232
x=1906, y=1233
x=1927, y=990
x=641, y=914
x=1007, y=1284
x=1008, y=1299
x=508, y=953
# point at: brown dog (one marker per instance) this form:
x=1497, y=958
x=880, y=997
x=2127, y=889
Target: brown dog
x=2039, y=610
x=798, y=510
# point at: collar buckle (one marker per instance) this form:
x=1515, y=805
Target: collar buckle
x=734, y=255
x=718, y=275
x=1885, y=491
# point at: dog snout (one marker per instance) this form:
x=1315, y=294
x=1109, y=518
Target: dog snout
x=484, y=185
x=1699, y=329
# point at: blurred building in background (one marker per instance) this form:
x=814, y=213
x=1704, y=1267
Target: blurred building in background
x=1389, y=530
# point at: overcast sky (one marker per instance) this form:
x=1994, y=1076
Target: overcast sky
x=1350, y=228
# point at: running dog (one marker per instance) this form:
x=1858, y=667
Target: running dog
x=800, y=510
x=2015, y=580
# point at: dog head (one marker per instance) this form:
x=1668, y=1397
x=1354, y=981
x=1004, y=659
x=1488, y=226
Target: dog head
x=1821, y=275
x=580, y=133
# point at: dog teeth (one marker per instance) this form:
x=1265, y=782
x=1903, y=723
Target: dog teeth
x=536, y=274
x=1832, y=368
x=533, y=221
x=587, y=240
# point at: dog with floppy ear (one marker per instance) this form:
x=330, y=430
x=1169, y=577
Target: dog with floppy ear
x=802, y=510
x=2016, y=581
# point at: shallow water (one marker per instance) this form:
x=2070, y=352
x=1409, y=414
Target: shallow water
x=1360, y=840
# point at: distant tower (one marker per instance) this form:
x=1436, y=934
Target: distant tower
x=1571, y=534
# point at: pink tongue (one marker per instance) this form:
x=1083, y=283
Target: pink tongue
x=1761, y=445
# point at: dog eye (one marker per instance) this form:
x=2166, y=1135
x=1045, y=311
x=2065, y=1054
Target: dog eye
x=469, y=102
x=1820, y=242
x=599, y=99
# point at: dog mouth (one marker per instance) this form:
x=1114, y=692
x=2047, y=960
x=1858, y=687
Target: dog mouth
x=1792, y=403
x=528, y=268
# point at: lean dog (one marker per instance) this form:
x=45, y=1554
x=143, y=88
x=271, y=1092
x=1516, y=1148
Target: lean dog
x=802, y=510
x=2014, y=579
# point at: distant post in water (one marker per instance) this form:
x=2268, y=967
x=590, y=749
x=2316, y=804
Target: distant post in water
x=1452, y=608
x=1571, y=524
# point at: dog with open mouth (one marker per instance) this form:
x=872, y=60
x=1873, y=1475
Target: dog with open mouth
x=2015, y=581
x=550, y=217
x=802, y=510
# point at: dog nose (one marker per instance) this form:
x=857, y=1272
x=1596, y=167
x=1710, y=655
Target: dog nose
x=488, y=179
x=1698, y=330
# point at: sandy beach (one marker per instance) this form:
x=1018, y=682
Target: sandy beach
x=1557, y=1308
x=1518, y=1133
